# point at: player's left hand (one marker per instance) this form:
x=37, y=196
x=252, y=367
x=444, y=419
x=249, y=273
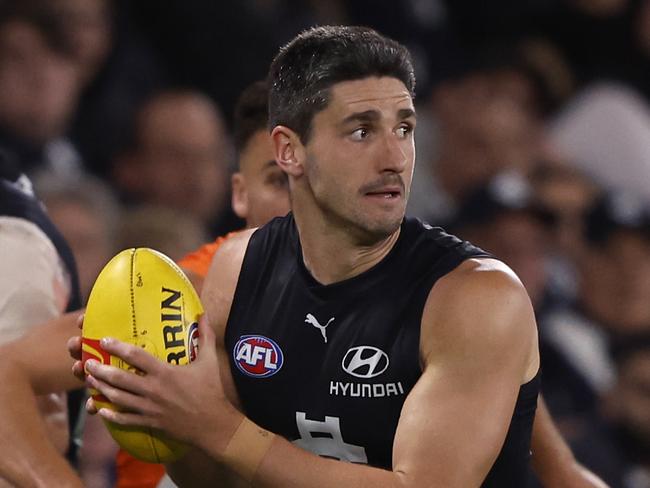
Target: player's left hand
x=186, y=402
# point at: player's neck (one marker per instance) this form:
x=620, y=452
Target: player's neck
x=333, y=254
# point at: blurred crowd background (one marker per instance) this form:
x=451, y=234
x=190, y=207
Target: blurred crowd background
x=533, y=142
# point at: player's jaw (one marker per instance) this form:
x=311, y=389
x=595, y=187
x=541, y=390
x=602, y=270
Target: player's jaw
x=379, y=206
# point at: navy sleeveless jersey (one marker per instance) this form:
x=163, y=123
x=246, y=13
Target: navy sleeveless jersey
x=329, y=366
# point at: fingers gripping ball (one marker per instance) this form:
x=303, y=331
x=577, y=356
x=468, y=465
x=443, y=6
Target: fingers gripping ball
x=142, y=297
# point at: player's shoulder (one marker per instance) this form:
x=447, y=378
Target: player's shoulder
x=235, y=243
x=480, y=278
x=18, y=231
x=481, y=302
x=482, y=291
x=228, y=257
x=27, y=250
x=219, y=286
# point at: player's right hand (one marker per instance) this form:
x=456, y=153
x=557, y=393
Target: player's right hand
x=74, y=349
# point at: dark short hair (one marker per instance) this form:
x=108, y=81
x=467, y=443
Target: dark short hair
x=303, y=71
x=251, y=113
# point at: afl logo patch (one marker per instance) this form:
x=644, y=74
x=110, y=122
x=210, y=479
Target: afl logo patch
x=193, y=341
x=257, y=356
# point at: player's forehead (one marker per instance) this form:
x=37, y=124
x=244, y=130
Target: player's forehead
x=385, y=95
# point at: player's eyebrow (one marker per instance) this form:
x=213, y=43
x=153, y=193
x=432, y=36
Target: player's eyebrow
x=405, y=113
x=366, y=116
x=374, y=115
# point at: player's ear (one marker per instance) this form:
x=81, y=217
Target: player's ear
x=239, y=195
x=289, y=150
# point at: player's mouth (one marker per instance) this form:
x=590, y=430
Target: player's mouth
x=385, y=193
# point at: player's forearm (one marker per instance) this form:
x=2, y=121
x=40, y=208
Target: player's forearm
x=196, y=470
x=27, y=457
x=552, y=459
x=553, y=462
x=280, y=464
x=288, y=466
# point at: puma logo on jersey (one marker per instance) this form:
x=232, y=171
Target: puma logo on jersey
x=310, y=319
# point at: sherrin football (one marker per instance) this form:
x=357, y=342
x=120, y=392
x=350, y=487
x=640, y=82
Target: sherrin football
x=142, y=297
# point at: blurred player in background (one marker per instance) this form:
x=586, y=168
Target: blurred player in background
x=38, y=283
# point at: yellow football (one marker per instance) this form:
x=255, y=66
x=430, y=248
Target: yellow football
x=142, y=297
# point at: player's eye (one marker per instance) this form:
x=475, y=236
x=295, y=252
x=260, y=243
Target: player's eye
x=404, y=130
x=360, y=134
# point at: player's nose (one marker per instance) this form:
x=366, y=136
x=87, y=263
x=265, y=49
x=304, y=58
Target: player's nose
x=394, y=155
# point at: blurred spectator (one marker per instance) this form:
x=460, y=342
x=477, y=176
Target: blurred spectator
x=39, y=87
x=606, y=133
x=178, y=157
x=612, y=304
x=617, y=264
x=86, y=211
x=119, y=70
x=566, y=193
x=88, y=25
x=487, y=119
x=628, y=407
x=170, y=231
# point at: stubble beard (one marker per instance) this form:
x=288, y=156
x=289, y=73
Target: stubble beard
x=341, y=210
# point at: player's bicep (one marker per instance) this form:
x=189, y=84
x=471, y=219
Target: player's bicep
x=451, y=432
x=478, y=346
x=217, y=297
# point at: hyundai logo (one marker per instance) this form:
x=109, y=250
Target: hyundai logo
x=365, y=361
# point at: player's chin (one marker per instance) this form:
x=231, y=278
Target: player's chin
x=389, y=219
x=384, y=225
